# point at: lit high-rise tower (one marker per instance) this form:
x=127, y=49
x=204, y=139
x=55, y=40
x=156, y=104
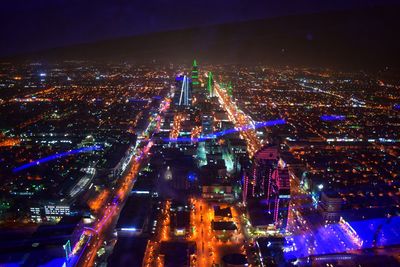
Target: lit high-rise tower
x=195, y=77
x=185, y=95
x=210, y=84
x=280, y=195
x=229, y=89
x=270, y=181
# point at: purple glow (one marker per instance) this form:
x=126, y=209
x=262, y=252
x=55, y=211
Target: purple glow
x=77, y=259
x=137, y=100
x=56, y=156
x=378, y=232
x=179, y=78
x=333, y=117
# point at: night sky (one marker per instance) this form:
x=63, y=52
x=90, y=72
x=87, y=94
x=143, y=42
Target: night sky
x=39, y=24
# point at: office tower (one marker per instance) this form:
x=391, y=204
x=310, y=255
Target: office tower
x=279, y=196
x=195, y=77
x=269, y=181
x=210, y=84
x=185, y=95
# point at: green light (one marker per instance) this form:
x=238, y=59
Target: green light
x=210, y=83
x=195, y=74
x=229, y=89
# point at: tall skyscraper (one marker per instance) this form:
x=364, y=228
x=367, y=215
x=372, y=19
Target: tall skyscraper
x=279, y=195
x=195, y=77
x=185, y=93
x=210, y=84
x=229, y=89
x=269, y=181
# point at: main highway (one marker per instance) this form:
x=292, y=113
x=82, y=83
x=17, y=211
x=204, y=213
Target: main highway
x=240, y=120
x=93, y=238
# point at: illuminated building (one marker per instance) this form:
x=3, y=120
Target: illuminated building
x=348, y=260
x=50, y=212
x=52, y=243
x=269, y=182
x=217, y=192
x=180, y=220
x=330, y=206
x=134, y=216
x=207, y=121
x=168, y=174
x=118, y=158
x=195, y=77
x=279, y=197
x=270, y=250
x=265, y=162
x=238, y=148
x=229, y=89
x=57, y=210
x=210, y=84
x=185, y=96
x=222, y=213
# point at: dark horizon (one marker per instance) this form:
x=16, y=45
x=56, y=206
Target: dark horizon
x=353, y=39
x=45, y=26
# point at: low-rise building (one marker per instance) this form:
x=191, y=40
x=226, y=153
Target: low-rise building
x=330, y=207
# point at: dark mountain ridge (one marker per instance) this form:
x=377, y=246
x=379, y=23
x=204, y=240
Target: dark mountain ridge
x=367, y=38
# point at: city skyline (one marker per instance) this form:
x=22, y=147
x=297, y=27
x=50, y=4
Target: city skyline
x=262, y=161
x=200, y=134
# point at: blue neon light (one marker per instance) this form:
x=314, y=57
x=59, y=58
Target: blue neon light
x=192, y=176
x=333, y=117
x=179, y=78
x=56, y=156
x=129, y=229
x=228, y=131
